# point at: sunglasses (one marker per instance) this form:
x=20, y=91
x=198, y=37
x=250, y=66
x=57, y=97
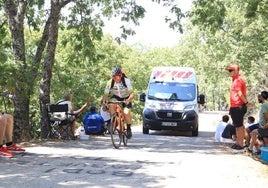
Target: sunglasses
x=116, y=75
x=230, y=70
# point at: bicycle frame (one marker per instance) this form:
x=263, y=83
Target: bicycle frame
x=117, y=131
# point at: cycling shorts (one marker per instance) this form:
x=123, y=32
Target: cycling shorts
x=122, y=99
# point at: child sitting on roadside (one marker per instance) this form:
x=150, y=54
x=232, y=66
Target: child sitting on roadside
x=220, y=127
x=251, y=126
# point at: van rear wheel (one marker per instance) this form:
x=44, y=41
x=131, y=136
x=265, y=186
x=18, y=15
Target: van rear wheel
x=145, y=130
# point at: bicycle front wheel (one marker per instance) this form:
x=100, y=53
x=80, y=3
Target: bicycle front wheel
x=116, y=136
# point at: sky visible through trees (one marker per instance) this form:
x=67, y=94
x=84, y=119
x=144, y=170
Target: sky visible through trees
x=152, y=31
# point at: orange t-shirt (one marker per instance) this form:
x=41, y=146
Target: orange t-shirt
x=238, y=84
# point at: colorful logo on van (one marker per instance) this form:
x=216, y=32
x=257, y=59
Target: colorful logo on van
x=172, y=74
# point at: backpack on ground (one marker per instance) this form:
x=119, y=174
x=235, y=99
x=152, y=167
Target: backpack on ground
x=92, y=124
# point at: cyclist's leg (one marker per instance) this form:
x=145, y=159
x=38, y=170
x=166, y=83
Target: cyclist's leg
x=127, y=115
x=112, y=106
x=128, y=119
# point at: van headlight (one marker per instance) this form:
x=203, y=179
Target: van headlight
x=189, y=107
x=151, y=107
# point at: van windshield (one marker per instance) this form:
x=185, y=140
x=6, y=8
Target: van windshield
x=172, y=91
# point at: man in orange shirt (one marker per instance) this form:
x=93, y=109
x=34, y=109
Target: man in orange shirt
x=238, y=104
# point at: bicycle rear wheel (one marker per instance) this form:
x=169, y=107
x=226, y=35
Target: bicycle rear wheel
x=116, y=136
x=125, y=139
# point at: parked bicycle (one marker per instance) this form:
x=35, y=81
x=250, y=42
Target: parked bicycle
x=117, y=126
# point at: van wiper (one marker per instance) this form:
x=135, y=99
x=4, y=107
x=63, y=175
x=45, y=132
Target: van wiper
x=181, y=100
x=159, y=81
x=173, y=99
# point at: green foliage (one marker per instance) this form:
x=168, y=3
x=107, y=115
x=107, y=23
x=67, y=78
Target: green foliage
x=35, y=13
x=252, y=7
x=208, y=14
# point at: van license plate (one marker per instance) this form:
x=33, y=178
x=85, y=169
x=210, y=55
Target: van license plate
x=169, y=124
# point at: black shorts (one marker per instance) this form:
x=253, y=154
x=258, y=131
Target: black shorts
x=237, y=115
x=228, y=131
x=263, y=132
x=122, y=99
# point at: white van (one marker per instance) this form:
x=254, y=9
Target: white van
x=171, y=101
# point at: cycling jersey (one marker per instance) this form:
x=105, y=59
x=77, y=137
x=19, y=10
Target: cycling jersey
x=119, y=89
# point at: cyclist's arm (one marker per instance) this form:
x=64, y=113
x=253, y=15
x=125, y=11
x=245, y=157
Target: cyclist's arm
x=77, y=112
x=131, y=91
x=105, y=98
x=130, y=98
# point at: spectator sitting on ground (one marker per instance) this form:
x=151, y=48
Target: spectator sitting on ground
x=262, y=132
x=93, y=122
x=229, y=134
x=251, y=126
x=6, y=130
x=220, y=127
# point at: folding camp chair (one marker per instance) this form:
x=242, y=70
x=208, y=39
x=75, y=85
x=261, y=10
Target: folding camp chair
x=60, y=121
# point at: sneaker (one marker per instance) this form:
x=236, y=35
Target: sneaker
x=249, y=151
x=129, y=133
x=258, y=152
x=237, y=147
x=16, y=149
x=5, y=153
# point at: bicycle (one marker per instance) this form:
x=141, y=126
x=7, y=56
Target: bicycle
x=117, y=127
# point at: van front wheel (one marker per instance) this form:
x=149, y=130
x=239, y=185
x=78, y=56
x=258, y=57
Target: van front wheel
x=145, y=130
x=195, y=132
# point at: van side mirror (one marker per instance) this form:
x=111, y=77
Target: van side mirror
x=201, y=99
x=142, y=97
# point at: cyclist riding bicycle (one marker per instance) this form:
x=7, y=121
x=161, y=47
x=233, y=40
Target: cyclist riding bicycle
x=119, y=88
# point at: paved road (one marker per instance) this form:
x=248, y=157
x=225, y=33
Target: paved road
x=159, y=160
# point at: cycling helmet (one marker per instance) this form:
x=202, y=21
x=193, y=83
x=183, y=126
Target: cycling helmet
x=116, y=71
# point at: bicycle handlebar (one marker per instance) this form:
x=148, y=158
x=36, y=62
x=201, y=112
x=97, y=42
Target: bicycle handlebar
x=114, y=102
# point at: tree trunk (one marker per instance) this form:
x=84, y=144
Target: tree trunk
x=48, y=66
x=15, y=14
x=21, y=118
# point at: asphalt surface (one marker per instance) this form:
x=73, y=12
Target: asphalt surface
x=160, y=160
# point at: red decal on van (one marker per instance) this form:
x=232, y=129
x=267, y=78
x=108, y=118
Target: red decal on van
x=187, y=75
x=172, y=74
